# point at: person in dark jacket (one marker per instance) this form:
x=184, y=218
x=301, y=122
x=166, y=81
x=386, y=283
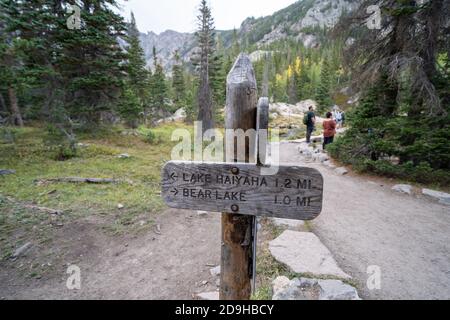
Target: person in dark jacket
x=310, y=123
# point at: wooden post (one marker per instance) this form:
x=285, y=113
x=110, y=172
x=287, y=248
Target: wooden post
x=237, y=230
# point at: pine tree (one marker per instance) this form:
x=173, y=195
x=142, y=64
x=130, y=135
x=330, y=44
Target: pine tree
x=303, y=84
x=178, y=83
x=217, y=75
x=205, y=39
x=323, y=92
x=130, y=107
x=136, y=66
x=24, y=59
x=92, y=61
x=158, y=87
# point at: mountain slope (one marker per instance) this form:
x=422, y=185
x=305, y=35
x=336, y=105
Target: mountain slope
x=300, y=21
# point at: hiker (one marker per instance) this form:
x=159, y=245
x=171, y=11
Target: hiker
x=329, y=130
x=338, y=118
x=309, y=120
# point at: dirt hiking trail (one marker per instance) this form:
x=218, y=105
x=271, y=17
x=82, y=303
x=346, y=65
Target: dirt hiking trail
x=363, y=223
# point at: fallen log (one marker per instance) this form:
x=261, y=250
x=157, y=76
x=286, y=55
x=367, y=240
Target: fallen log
x=4, y=172
x=43, y=209
x=34, y=207
x=83, y=180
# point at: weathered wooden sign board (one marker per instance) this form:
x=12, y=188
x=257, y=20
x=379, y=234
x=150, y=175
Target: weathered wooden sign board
x=293, y=193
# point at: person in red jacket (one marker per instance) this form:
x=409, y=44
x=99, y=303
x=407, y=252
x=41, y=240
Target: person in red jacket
x=329, y=130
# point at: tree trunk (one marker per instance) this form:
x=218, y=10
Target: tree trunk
x=15, y=107
x=2, y=103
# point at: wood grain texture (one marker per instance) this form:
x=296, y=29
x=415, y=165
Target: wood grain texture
x=236, y=251
x=262, y=126
x=294, y=193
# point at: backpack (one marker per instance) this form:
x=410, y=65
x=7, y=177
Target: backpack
x=305, y=119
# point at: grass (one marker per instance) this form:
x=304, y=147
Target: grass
x=27, y=154
x=268, y=269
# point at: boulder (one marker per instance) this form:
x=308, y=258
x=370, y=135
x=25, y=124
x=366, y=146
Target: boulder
x=285, y=289
x=179, y=115
x=337, y=290
x=21, y=250
x=403, y=188
x=303, y=252
x=341, y=171
x=442, y=197
x=312, y=289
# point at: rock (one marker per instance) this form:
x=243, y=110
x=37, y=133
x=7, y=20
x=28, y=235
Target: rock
x=294, y=224
x=290, y=110
x=285, y=289
x=337, y=290
x=208, y=296
x=22, y=250
x=303, y=252
x=4, y=172
x=323, y=157
x=442, y=197
x=179, y=115
x=403, y=188
x=341, y=171
x=308, y=40
x=215, y=272
x=312, y=289
x=307, y=282
x=124, y=156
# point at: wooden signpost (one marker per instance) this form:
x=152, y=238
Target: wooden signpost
x=239, y=189
x=294, y=193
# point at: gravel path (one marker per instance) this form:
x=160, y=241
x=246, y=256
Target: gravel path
x=364, y=223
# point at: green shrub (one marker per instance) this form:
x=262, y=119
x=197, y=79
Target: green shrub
x=150, y=136
x=61, y=144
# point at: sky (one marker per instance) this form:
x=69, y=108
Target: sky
x=180, y=15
